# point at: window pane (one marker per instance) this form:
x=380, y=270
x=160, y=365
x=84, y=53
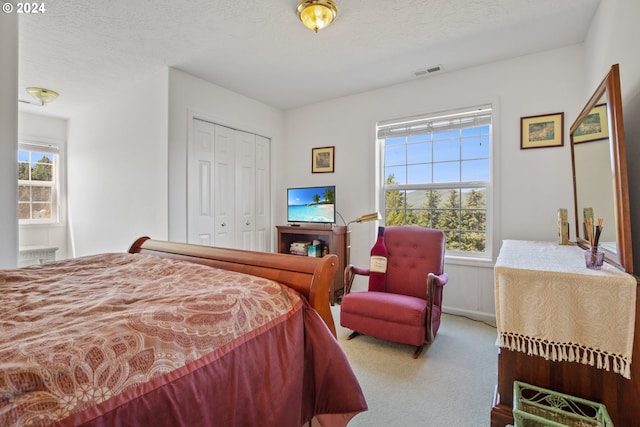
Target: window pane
x=475, y=131
x=418, y=174
x=446, y=135
x=475, y=170
x=417, y=217
x=415, y=199
x=41, y=211
x=452, y=199
x=475, y=242
x=474, y=220
x=475, y=148
x=446, y=172
x=23, y=156
x=395, y=155
x=41, y=194
x=24, y=211
x=395, y=199
x=453, y=240
x=475, y=198
x=24, y=193
x=23, y=171
x=446, y=150
x=395, y=175
x=394, y=217
x=42, y=171
x=419, y=153
x=423, y=137
x=394, y=141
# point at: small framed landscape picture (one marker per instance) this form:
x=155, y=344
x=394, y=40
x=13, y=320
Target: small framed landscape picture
x=595, y=126
x=322, y=159
x=542, y=131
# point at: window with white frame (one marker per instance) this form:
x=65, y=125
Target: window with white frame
x=436, y=172
x=37, y=183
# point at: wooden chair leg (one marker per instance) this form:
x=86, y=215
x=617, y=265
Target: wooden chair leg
x=353, y=335
x=418, y=351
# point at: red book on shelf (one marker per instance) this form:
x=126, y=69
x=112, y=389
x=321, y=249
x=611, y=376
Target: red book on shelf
x=378, y=264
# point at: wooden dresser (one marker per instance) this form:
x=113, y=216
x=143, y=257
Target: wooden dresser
x=555, y=317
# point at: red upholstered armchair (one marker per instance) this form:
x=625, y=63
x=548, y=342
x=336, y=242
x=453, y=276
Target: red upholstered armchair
x=409, y=309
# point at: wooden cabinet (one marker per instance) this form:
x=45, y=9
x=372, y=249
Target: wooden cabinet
x=567, y=281
x=334, y=237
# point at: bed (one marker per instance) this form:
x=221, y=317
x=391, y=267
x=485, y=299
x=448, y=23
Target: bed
x=173, y=334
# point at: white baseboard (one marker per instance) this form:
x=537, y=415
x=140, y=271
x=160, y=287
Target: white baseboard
x=489, y=318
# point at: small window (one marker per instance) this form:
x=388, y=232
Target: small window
x=37, y=184
x=437, y=173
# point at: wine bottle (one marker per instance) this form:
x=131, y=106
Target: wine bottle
x=378, y=264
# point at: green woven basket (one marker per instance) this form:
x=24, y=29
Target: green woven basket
x=536, y=406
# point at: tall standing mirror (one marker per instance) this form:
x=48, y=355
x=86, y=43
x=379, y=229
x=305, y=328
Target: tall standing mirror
x=600, y=172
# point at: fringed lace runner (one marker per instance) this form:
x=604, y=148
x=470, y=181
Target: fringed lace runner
x=549, y=304
x=562, y=352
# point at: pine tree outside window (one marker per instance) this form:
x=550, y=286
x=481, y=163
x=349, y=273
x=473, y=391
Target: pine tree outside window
x=436, y=172
x=37, y=184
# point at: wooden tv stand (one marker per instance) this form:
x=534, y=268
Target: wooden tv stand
x=335, y=237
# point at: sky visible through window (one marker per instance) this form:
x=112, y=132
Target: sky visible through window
x=449, y=156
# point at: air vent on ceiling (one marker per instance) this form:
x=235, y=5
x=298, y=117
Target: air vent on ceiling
x=429, y=70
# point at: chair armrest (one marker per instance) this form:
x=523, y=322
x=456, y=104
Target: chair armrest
x=441, y=279
x=350, y=273
x=433, y=283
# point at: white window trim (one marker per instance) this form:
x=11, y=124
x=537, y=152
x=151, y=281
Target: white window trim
x=55, y=148
x=486, y=258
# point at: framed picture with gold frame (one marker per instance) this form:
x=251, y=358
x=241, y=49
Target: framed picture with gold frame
x=595, y=126
x=542, y=131
x=322, y=159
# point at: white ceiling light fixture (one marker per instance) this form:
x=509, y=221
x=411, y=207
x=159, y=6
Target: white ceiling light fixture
x=43, y=95
x=317, y=14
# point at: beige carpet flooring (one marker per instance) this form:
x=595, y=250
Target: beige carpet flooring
x=450, y=384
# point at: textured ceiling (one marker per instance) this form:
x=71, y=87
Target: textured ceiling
x=88, y=49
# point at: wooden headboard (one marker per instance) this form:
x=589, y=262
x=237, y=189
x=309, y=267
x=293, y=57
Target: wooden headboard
x=309, y=276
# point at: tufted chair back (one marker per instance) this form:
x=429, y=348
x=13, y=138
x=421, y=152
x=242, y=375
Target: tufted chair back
x=412, y=253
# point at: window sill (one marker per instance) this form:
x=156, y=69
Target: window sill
x=468, y=261
x=41, y=225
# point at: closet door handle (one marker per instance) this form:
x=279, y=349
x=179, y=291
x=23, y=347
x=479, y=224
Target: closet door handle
x=247, y=223
x=224, y=224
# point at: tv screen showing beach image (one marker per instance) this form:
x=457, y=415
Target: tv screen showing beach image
x=311, y=204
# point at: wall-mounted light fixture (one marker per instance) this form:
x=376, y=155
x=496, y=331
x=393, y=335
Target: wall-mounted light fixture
x=317, y=14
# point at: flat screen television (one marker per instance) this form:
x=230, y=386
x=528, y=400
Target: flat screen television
x=311, y=204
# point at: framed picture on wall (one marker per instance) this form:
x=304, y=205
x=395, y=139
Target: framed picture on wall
x=542, y=131
x=595, y=126
x=322, y=159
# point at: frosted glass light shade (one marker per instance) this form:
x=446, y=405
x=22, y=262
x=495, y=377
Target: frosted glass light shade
x=317, y=14
x=43, y=95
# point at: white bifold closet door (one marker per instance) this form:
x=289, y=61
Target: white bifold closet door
x=228, y=188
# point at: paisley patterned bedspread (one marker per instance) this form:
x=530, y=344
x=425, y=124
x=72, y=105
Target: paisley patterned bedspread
x=141, y=340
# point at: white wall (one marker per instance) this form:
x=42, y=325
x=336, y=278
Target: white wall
x=117, y=168
x=191, y=97
x=46, y=129
x=531, y=184
x=8, y=140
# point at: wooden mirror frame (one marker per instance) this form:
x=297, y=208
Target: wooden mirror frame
x=610, y=90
